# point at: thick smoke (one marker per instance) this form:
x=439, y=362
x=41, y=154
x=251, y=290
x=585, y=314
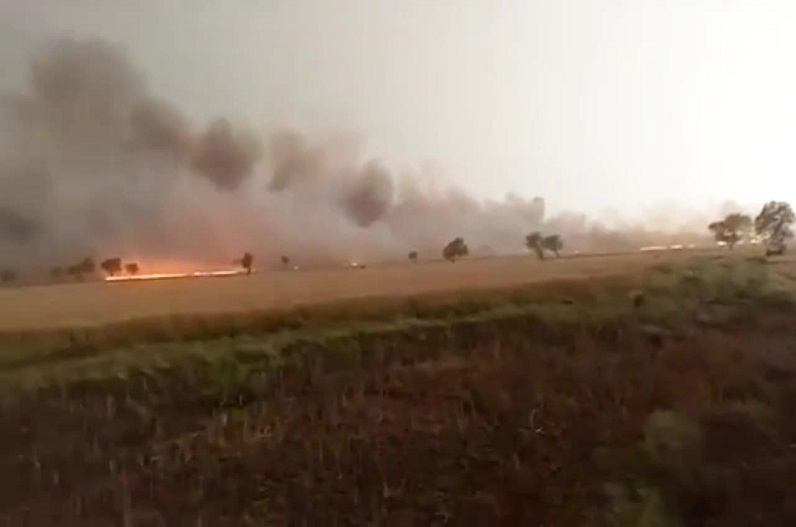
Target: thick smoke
x=225, y=156
x=94, y=164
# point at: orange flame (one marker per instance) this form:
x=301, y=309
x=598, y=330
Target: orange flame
x=165, y=276
x=169, y=269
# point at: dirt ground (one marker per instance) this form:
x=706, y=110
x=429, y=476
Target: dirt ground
x=98, y=303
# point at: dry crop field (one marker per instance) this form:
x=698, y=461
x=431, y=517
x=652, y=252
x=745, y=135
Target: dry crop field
x=31, y=308
x=615, y=391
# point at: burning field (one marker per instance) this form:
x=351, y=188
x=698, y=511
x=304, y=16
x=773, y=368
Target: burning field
x=169, y=276
x=564, y=402
x=180, y=289
x=654, y=387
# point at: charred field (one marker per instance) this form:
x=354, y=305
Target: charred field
x=661, y=395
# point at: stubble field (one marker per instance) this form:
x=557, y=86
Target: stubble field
x=81, y=304
x=644, y=390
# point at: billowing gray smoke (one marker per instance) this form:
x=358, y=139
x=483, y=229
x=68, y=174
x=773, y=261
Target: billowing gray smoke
x=93, y=164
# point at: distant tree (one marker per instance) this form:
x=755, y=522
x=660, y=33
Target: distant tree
x=8, y=275
x=552, y=243
x=413, y=256
x=132, y=268
x=285, y=260
x=455, y=249
x=78, y=271
x=112, y=266
x=731, y=229
x=246, y=262
x=774, y=223
x=534, y=242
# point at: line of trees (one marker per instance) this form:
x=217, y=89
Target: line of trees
x=539, y=243
x=535, y=241
x=773, y=224
x=87, y=267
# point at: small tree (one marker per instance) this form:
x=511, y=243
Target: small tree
x=112, y=266
x=774, y=223
x=78, y=271
x=285, y=260
x=246, y=262
x=8, y=275
x=534, y=242
x=731, y=229
x=552, y=243
x=455, y=249
x=413, y=256
x=132, y=268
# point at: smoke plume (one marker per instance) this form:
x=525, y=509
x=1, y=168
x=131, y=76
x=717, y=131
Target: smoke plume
x=94, y=164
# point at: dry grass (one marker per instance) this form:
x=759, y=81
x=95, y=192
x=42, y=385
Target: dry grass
x=34, y=308
x=511, y=407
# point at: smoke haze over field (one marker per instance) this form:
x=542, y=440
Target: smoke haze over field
x=94, y=162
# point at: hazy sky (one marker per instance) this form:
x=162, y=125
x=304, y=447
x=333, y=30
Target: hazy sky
x=589, y=103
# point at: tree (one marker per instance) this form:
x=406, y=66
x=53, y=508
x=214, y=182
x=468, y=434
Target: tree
x=112, y=266
x=731, y=229
x=552, y=243
x=8, y=275
x=78, y=271
x=132, y=268
x=285, y=260
x=246, y=262
x=774, y=222
x=534, y=242
x=413, y=256
x=455, y=249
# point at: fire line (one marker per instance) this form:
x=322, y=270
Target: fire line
x=166, y=276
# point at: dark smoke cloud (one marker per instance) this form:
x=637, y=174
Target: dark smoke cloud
x=17, y=228
x=294, y=161
x=226, y=156
x=94, y=164
x=371, y=195
x=158, y=127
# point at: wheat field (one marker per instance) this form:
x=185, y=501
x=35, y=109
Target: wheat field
x=96, y=303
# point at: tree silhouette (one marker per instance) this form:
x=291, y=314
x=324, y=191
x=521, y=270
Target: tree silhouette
x=8, y=275
x=246, y=262
x=285, y=260
x=552, y=243
x=78, y=271
x=534, y=242
x=731, y=229
x=413, y=256
x=774, y=225
x=455, y=249
x=112, y=266
x=132, y=268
